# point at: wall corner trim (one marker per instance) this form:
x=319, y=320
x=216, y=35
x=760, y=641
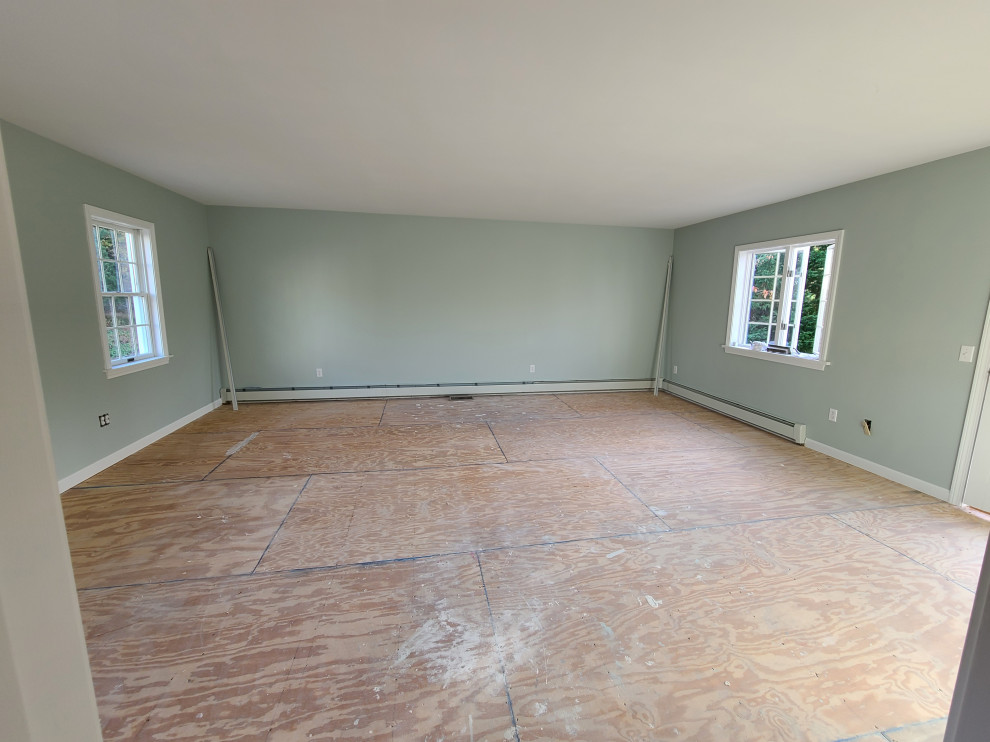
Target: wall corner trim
x=942, y=493
x=96, y=467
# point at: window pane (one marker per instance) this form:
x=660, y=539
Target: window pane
x=775, y=313
x=143, y=337
x=128, y=277
x=766, y=264
x=759, y=311
x=764, y=288
x=107, y=311
x=125, y=336
x=125, y=246
x=122, y=310
x=113, y=345
x=141, y=316
x=108, y=273
x=757, y=332
x=107, y=249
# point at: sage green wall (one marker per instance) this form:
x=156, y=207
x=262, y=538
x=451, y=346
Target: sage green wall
x=380, y=299
x=912, y=288
x=49, y=186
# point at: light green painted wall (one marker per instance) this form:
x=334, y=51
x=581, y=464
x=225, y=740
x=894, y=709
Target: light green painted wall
x=379, y=299
x=913, y=287
x=49, y=185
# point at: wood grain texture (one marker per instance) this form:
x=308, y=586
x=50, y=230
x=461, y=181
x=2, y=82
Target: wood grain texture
x=130, y=534
x=353, y=518
x=753, y=632
x=479, y=409
x=252, y=416
x=688, y=489
x=274, y=453
x=593, y=404
x=940, y=536
x=179, y=457
x=790, y=625
x=401, y=651
x=603, y=436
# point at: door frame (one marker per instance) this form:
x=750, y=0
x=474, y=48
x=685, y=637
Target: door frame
x=971, y=423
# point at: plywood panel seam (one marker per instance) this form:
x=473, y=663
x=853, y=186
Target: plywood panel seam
x=462, y=552
x=492, y=431
x=498, y=648
x=901, y=553
x=772, y=518
x=282, y=523
x=630, y=491
x=364, y=471
x=230, y=453
x=564, y=402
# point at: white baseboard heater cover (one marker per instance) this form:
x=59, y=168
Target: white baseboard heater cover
x=254, y=394
x=796, y=432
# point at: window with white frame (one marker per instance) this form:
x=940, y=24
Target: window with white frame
x=128, y=291
x=781, y=303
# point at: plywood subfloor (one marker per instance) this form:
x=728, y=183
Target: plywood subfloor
x=545, y=567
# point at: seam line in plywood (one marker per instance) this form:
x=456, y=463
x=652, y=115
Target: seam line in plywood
x=629, y=490
x=282, y=523
x=901, y=553
x=497, y=443
x=498, y=647
x=486, y=550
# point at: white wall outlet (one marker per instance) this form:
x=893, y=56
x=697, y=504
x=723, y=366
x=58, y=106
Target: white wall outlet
x=532, y=368
x=833, y=415
x=319, y=373
x=675, y=369
x=104, y=419
x=966, y=353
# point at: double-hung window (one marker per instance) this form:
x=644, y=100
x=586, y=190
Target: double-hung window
x=781, y=303
x=128, y=292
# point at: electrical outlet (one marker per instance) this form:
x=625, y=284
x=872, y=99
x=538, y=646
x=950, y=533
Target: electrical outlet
x=966, y=353
x=868, y=427
x=319, y=373
x=104, y=419
x=532, y=368
x=675, y=369
x=833, y=415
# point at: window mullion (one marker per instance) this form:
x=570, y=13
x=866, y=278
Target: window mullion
x=781, y=323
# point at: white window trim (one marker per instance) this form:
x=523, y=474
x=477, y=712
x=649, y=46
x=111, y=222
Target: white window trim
x=149, y=254
x=740, y=280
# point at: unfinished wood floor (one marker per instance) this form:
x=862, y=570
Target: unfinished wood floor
x=572, y=567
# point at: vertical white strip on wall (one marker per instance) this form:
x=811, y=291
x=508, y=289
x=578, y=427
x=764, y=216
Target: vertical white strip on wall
x=657, y=379
x=974, y=413
x=223, y=329
x=46, y=691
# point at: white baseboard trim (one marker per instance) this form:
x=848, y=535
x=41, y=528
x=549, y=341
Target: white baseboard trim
x=535, y=387
x=942, y=493
x=96, y=467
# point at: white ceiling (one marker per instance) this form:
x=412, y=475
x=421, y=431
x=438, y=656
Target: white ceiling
x=650, y=113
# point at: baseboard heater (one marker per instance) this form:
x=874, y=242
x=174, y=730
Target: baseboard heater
x=784, y=428
x=280, y=394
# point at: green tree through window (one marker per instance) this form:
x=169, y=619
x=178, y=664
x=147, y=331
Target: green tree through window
x=812, y=296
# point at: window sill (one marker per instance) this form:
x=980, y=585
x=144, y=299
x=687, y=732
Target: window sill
x=130, y=368
x=805, y=362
